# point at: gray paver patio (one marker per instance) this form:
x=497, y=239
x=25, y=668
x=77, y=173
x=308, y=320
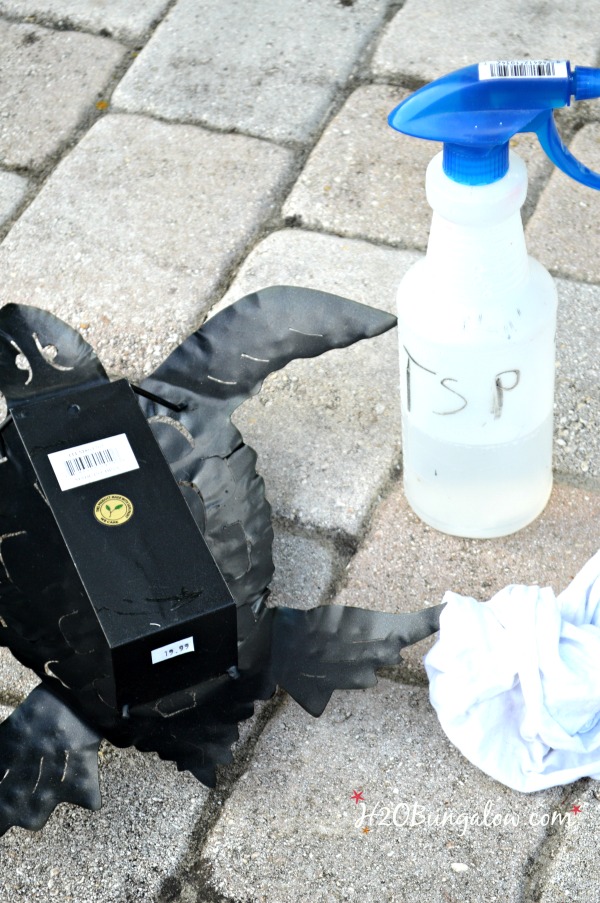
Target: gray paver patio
x=577, y=398
x=49, y=83
x=425, y=40
x=326, y=431
x=564, y=233
x=367, y=180
x=113, y=18
x=123, y=852
x=573, y=871
x=138, y=221
x=202, y=64
x=304, y=570
x=363, y=179
x=404, y=565
x=291, y=822
x=140, y=218
x=12, y=192
x=16, y=682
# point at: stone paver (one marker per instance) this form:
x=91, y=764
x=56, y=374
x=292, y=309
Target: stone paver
x=123, y=852
x=304, y=570
x=16, y=681
x=577, y=399
x=134, y=230
x=364, y=179
x=290, y=830
x=205, y=65
x=428, y=39
x=564, y=231
x=12, y=191
x=49, y=83
x=326, y=430
x=112, y=18
x=573, y=869
x=404, y=565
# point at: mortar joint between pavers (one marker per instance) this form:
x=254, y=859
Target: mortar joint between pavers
x=66, y=23
x=397, y=80
x=538, y=874
x=38, y=177
x=341, y=546
x=577, y=481
x=348, y=545
x=193, y=863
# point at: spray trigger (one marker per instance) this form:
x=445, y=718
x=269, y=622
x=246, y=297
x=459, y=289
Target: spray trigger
x=475, y=112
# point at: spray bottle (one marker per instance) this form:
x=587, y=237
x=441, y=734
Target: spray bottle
x=477, y=316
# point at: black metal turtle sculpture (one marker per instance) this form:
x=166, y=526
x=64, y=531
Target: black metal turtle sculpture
x=109, y=589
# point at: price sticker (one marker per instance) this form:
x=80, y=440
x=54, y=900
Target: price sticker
x=172, y=650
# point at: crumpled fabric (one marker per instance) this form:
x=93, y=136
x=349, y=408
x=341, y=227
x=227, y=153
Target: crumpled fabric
x=515, y=682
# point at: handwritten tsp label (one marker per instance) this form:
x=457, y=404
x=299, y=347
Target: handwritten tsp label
x=427, y=380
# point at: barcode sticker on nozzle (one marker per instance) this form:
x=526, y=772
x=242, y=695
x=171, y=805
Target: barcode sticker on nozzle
x=93, y=461
x=523, y=69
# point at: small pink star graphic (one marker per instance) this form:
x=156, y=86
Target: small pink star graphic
x=357, y=796
x=575, y=810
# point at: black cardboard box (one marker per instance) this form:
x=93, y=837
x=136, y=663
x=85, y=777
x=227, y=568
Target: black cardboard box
x=163, y=607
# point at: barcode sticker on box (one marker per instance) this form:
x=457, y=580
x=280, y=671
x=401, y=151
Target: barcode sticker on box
x=172, y=650
x=83, y=464
x=523, y=69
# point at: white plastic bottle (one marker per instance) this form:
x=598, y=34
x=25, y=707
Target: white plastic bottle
x=476, y=328
x=477, y=316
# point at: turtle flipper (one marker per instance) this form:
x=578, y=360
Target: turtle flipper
x=48, y=755
x=210, y=374
x=226, y=361
x=199, y=737
x=334, y=647
x=196, y=728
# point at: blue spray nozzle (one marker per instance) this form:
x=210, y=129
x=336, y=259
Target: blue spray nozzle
x=586, y=83
x=475, y=112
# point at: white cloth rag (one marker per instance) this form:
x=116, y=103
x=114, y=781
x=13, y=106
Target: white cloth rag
x=516, y=681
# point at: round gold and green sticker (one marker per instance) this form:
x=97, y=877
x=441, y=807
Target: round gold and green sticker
x=113, y=510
